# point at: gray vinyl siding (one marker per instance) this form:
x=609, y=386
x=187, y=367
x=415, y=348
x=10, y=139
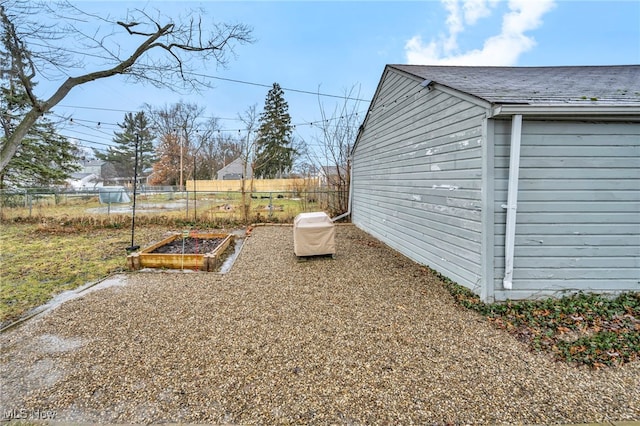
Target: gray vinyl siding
x=417, y=177
x=578, y=210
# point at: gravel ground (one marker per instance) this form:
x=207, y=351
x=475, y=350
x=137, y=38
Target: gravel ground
x=366, y=338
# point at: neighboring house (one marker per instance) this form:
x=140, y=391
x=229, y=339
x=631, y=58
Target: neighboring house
x=103, y=169
x=107, y=174
x=233, y=171
x=514, y=182
x=93, y=166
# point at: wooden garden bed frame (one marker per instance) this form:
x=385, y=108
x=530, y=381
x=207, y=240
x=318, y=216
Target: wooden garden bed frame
x=209, y=262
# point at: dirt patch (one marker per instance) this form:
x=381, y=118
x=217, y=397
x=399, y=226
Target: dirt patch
x=189, y=245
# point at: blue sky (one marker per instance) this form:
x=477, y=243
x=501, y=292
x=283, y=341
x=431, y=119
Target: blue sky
x=333, y=46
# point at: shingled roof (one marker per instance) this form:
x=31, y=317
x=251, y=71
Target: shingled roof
x=590, y=85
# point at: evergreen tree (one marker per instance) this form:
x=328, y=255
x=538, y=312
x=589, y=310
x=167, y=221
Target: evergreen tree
x=122, y=155
x=44, y=158
x=274, y=145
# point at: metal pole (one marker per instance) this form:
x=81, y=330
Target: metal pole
x=135, y=181
x=181, y=150
x=195, y=192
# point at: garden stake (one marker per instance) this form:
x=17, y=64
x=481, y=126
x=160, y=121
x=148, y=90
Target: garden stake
x=135, y=181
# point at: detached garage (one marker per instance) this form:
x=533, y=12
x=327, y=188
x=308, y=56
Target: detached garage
x=515, y=182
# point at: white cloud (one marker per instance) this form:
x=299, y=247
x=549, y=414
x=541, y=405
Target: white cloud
x=476, y=9
x=502, y=49
x=454, y=24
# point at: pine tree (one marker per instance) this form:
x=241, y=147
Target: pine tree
x=274, y=145
x=122, y=155
x=44, y=158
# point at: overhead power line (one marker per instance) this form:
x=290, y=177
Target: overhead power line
x=95, y=108
x=87, y=141
x=250, y=83
x=288, y=89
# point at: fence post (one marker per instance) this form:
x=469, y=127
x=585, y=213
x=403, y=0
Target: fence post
x=270, y=205
x=187, y=215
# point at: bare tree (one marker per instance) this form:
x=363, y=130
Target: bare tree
x=337, y=134
x=167, y=167
x=205, y=155
x=215, y=148
x=166, y=54
x=177, y=127
x=248, y=147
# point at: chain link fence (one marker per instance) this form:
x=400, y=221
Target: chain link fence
x=192, y=206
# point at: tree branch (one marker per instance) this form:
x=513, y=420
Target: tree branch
x=179, y=39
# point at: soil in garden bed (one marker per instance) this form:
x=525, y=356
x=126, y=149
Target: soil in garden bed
x=191, y=246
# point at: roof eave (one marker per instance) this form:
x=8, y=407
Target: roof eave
x=619, y=112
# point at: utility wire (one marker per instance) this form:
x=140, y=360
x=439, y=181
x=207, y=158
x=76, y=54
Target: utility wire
x=288, y=89
x=317, y=123
x=94, y=108
x=94, y=129
x=87, y=140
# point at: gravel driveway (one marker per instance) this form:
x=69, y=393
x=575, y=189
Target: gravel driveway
x=366, y=338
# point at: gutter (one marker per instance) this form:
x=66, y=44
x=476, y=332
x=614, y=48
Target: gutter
x=629, y=112
x=512, y=201
x=348, y=212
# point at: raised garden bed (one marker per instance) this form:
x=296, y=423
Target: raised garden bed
x=196, y=251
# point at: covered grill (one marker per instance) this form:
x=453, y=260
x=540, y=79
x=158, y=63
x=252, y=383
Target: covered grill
x=313, y=234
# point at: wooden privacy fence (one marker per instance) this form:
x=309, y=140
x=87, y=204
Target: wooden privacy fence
x=257, y=185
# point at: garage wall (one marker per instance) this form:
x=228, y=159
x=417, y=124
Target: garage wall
x=578, y=217
x=417, y=176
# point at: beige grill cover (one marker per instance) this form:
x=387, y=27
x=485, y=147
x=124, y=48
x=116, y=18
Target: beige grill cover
x=313, y=234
